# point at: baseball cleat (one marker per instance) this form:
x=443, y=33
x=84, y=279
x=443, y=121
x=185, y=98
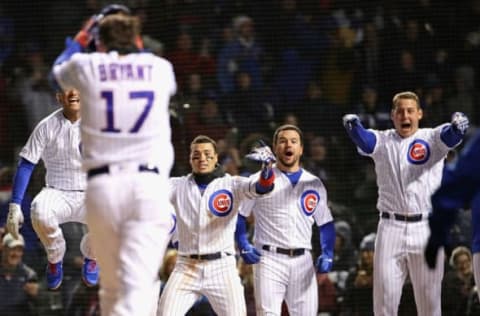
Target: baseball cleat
x=54, y=275
x=90, y=272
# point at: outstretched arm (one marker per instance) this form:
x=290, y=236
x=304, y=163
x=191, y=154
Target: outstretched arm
x=327, y=243
x=451, y=135
x=364, y=139
x=263, y=154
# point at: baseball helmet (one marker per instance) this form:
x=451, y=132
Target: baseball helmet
x=107, y=10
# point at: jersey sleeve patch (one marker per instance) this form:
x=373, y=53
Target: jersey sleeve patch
x=220, y=203
x=418, y=152
x=309, y=201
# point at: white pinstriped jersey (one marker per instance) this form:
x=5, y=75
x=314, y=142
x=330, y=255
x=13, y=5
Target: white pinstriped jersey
x=56, y=141
x=284, y=218
x=408, y=169
x=206, y=222
x=124, y=114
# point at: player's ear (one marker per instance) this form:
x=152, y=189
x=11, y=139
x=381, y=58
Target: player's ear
x=420, y=113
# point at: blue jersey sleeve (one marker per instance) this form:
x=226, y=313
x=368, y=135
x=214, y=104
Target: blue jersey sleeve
x=450, y=136
x=327, y=238
x=71, y=47
x=21, y=180
x=241, y=234
x=364, y=139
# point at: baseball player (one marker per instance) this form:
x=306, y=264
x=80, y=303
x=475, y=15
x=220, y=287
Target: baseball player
x=284, y=269
x=408, y=163
x=56, y=141
x=460, y=186
x=206, y=203
x=128, y=155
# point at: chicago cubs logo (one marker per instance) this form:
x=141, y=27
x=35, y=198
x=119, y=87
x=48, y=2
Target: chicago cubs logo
x=220, y=203
x=418, y=152
x=309, y=201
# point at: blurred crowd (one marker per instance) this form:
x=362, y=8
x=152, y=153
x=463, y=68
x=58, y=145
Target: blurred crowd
x=243, y=68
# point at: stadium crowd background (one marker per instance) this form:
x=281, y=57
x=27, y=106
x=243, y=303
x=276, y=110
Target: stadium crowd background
x=243, y=68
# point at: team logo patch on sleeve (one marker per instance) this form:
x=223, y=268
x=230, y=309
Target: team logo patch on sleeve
x=309, y=201
x=220, y=203
x=418, y=152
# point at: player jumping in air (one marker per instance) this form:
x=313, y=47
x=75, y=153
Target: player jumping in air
x=56, y=141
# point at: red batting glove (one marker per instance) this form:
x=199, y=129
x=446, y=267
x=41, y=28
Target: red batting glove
x=84, y=36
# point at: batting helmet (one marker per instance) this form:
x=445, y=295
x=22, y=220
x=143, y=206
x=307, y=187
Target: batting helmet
x=114, y=9
x=107, y=10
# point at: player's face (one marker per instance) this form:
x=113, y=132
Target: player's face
x=406, y=117
x=288, y=150
x=203, y=158
x=70, y=100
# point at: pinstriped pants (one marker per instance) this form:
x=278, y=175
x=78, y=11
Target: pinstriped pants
x=399, y=252
x=217, y=279
x=52, y=207
x=278, y=277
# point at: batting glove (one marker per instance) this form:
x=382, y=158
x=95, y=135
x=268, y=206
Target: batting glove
x=324, y=263
x=349, y=120
x=14, y=219
x=263, y=153
x=460, y=122
x=250, y=254
x=85, y=36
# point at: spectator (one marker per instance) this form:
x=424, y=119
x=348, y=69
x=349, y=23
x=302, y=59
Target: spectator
x=465, y=97
x=186, y=60
x=458, y=282
x=371, y=113
x=246, y=107
x=327, y=295
x=32, y=249
x=18, y=282
x=434, y=105
x=207, y=120
x=242, y=53
x=85, y=301
x=359, y=288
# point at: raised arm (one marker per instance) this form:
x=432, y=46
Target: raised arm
x=264, y=154
x=363, y=139
x=452, y=134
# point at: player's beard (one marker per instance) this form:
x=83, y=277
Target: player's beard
x=288, y=164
